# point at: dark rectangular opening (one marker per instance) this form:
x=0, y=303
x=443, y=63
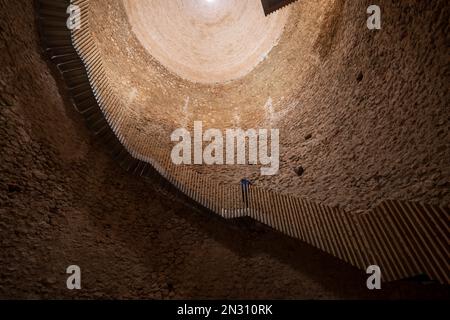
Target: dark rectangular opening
x=273, y=5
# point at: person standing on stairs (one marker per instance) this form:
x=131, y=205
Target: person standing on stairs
x=245, y=187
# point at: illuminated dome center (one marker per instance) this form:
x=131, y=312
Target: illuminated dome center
x=206, y=41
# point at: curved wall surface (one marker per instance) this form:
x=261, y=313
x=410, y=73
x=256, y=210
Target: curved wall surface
x=359, y=238
x=364, y=113
x=308, y=86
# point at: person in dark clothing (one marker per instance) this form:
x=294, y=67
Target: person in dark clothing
x=245, y=186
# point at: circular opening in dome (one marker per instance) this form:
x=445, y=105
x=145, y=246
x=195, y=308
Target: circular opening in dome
x=206, y=41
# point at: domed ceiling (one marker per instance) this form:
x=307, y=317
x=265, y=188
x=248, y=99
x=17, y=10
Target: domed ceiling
x=206, y=41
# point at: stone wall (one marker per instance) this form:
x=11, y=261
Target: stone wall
x=63, y=201
x=364, y=113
